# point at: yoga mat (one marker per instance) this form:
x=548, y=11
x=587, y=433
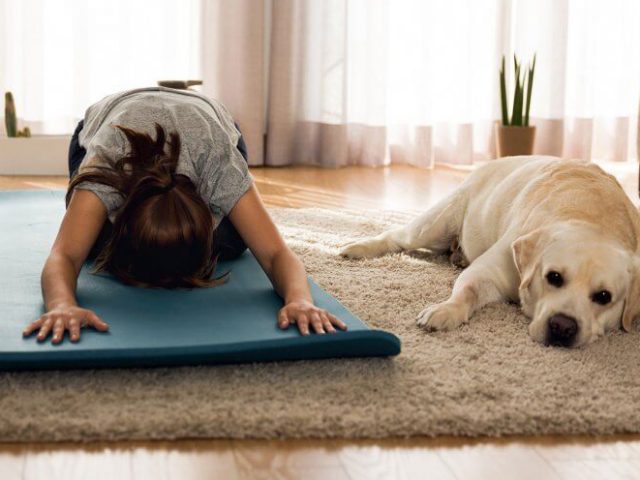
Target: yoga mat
x=232, y=323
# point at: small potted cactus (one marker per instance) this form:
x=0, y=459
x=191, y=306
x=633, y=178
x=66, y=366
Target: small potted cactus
x=11, y=120
x=43, y=154
x=515, y=136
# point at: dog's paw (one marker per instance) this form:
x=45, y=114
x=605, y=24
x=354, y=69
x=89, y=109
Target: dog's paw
x=443, y=316
x=361, y=249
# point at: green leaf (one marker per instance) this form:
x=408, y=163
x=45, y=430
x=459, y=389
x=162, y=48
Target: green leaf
x=503, y=96
x=516, y=111
x=532, y=69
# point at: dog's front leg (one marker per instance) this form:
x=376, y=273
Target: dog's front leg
x=490, y=278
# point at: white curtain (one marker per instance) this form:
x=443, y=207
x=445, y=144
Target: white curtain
x=59, y=56
x=234, y=49
x=375, y=82
x=589, y=75
x=338, y=82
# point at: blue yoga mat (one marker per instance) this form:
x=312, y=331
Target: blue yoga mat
x=232, y=323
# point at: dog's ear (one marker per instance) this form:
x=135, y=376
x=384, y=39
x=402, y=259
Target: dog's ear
x=632, y=301
x=526, y=253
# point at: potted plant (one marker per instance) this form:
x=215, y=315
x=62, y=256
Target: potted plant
x=515, y=136
x=11, y=120
x=38, y=155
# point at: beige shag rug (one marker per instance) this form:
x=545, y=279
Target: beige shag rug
x=488, y=378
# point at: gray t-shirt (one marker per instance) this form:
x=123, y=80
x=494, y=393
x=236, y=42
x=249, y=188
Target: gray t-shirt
x=208, y=154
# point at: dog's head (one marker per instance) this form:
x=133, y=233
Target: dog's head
x=575, y=284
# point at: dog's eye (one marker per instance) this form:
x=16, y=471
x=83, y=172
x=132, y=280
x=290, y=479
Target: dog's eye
x=602, y=297
x=555, y=279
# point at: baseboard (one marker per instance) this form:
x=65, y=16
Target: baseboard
x=39, y=155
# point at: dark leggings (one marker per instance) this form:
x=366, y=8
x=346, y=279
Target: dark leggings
x=227, y=242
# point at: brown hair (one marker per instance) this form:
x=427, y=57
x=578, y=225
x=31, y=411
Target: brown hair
x=163, y=231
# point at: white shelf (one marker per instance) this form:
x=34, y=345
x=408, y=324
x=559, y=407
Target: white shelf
x=38, y=155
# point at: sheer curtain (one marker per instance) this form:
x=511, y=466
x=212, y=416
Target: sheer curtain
x=375, y=82
x=58, y=57
x=338, y=82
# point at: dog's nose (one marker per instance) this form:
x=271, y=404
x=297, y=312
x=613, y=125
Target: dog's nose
x=562, y=329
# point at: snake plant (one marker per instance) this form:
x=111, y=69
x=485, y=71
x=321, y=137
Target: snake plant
x=521, y=106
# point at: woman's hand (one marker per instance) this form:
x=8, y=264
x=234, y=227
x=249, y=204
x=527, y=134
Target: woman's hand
x=306, y=314
x=59, y=319
x=285, y=270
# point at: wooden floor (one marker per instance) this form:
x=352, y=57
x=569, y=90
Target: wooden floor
x=400, y=188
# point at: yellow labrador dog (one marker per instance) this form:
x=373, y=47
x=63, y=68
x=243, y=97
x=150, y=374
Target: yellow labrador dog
x=560, y=237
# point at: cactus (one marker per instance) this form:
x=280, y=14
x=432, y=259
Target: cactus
x=10, y=120
x=24, y=133
x=518, y=117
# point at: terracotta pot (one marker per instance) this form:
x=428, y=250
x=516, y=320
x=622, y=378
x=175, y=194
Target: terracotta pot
x=512, y=141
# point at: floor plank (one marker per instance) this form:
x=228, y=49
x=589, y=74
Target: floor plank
x=288, y=460
x=598, y=470
x=382, y=461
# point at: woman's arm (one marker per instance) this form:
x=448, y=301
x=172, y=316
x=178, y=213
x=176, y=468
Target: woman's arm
x=282, y=266
x=79, y=229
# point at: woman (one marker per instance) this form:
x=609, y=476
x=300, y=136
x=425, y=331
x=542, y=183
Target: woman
x=159, y=212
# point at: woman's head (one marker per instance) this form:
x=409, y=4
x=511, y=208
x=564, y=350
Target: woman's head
x=163, y=231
